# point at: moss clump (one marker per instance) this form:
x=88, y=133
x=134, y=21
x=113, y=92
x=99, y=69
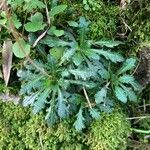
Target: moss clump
x=110, y=132
x=137, y=17
x=105, y=22
x=12, y=118
x=20, y=130
x=102, y=15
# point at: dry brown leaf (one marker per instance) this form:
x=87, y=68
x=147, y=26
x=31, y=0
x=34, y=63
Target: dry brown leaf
x=7, y=59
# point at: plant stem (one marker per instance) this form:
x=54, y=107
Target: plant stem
x=141, y=131
x=87, y=98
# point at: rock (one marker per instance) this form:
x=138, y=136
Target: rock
x=143, y=71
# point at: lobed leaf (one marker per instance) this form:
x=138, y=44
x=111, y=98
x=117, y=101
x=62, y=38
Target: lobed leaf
x=62, y=108
x=100, y=96
x=51, y=116
x=127, y=65
x=39, y=104
x=130, y=93
x=30, y=5
x=29, y=100
x=79, y=123
x=114, y=57
x=83, y=74
x=67, y=55
x=126, y=79
x=95, y=113
x=36, y=23
x=120, y=94
x=109, y=44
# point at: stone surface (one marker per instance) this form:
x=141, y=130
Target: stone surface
x=143, y=71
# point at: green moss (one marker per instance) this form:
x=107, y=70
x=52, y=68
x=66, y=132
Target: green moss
x=105, y=23
x=12, y=118
x=103, y=17
x=137, y=17
x=110, y=132
x=20, y=130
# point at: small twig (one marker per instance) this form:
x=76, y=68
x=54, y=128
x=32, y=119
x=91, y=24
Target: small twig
x=87, y=98
x=126, y=25
x=137, y=66
x=147, y=137
x=49, y=22
x=47, y=13
x=144, y=105
x=141, y=131
x=140, y=117
x=24, y=22
x=39, y=38
x=92, y=104
x=41, y=141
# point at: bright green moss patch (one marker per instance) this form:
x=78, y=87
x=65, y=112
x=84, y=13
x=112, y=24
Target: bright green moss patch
x=109, y=133
x=20, y=130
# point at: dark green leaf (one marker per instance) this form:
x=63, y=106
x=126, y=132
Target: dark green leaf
x=126, y=79
x=77, y=59
x=83, y=74
x=91, y=54
x=53, y=42
x=39, y=104
x=62, y=108
x=95, y=113
x=109, y=44
x=67, y=55
x=79, y=123
x=130, y=93
x=89, y=84
x=136, y=86
x=100, y=96
x=127, y=65
x=120, y=94
x=104, y=73
x=114, y=57
x=51, y=116
x=28, y=100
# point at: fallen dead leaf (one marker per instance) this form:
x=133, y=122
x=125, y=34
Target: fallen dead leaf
x=7, y=59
